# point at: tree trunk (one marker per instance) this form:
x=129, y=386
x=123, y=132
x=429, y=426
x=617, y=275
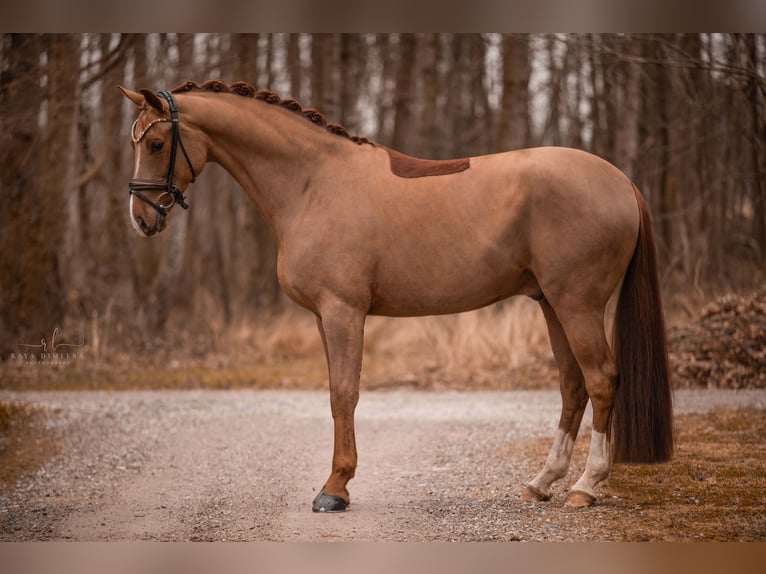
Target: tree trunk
x=610, y=93
x=462, y=116
x=574, y=91
x=513, y=132
x=626, y=141
x=451, y=86
x=552, y=131
x=294, y=66
x=428, y=133
x=61, y=160
x=480, y=114
x=29, y=279
x=349, y=48
x=387, y=92
x=757, y=146
x=322, y=92
x=404, y=96
x=664, y=203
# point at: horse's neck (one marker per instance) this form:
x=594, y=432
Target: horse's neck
x=271, y=152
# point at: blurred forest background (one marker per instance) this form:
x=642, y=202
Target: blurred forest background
x=682, y=114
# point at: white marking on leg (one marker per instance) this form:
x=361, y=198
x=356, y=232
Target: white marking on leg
x=557, y=463
x=598, y=464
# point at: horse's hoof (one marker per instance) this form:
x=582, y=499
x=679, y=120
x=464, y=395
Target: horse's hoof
x=329, y=503
x=532, y=494
x=579, y=499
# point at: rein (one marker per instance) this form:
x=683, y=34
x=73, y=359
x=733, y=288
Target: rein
x=174, y=195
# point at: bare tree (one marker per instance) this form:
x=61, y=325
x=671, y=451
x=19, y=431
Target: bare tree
x=60, y=162
x=27, y=258
x=513, y=122
x=322, y=89
x=626, y=139
x=755, y=97
x=294, y=66
x=405, y=93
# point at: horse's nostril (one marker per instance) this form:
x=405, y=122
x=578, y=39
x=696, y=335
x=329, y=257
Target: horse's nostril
x=142, y=225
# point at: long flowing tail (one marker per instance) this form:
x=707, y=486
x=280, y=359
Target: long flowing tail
x=642, y=426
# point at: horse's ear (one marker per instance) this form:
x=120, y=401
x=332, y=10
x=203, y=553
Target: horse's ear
x=134, y=97
x=152, y=99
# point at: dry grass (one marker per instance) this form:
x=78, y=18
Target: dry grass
x=481, y=349
x=498, y=347
x=714, y=489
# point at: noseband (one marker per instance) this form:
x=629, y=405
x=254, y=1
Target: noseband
x=171, y=194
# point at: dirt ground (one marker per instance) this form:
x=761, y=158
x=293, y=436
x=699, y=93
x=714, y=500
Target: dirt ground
x=434, y=466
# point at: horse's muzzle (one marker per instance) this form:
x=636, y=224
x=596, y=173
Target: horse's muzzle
x=145, y=221
x=147, y=229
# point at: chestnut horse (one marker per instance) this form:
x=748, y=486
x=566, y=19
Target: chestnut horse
x=364, y=230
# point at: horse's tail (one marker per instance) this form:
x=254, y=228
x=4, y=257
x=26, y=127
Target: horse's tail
x=643, y=417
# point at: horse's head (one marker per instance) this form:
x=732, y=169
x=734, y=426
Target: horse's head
x=159, y=139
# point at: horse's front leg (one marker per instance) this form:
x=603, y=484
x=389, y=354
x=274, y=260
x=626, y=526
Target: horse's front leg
x=342, y=330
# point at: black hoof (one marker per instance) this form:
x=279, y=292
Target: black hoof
x=329, y=503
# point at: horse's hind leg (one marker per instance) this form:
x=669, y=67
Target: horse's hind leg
x=573, y=402
x=584, y=327
x=342, y=330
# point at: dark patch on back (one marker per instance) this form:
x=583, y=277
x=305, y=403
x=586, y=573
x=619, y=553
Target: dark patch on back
x=406, y=166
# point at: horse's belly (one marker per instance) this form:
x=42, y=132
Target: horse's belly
x=426, y=290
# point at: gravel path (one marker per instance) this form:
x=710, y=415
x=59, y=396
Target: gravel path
x=245, y=465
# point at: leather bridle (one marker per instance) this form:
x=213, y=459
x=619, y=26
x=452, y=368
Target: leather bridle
x=171, y=194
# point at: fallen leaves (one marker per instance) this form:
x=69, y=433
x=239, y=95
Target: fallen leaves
x=725, y=348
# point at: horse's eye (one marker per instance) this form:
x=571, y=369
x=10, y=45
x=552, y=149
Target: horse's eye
x=155, y=146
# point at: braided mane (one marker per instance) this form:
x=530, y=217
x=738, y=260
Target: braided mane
x=248, y=91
